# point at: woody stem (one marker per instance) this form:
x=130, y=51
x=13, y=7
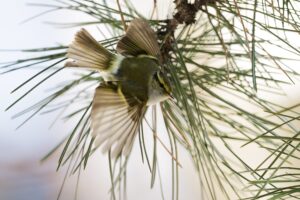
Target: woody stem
x=122, y=17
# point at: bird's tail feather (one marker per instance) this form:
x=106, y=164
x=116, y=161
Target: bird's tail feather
x=86, y=52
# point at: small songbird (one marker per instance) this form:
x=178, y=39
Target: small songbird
x=133, y=81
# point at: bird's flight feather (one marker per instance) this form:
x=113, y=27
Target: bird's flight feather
x=139, y=39
x=115, y=120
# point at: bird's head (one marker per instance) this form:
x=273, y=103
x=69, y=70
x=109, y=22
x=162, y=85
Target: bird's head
x=164, y=82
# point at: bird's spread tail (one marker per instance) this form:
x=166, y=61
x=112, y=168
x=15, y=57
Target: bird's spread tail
x=86, y=52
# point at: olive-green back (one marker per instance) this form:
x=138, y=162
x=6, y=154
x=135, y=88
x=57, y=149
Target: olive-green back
x=134, y=74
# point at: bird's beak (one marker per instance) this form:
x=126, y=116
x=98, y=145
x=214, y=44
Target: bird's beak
x=171, y=96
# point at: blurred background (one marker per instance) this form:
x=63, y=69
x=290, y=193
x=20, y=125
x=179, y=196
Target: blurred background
x=22, y=175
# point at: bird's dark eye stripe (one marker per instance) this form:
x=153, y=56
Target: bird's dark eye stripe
x=161, y=84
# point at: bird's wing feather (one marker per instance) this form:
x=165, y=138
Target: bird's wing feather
x=115, y=120
x=139, y=39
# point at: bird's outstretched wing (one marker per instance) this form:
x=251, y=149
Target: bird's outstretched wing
x=115, y=120
x=139, y=39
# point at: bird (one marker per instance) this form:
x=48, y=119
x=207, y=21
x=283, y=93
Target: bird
x=133, y=81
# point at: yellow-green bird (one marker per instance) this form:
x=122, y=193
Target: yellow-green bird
x=133, y=82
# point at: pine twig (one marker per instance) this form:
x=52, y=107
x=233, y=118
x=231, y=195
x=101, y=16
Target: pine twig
x=122, y=16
